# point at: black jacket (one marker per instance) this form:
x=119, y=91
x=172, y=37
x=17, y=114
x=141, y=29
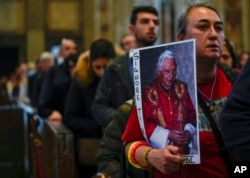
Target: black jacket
x=115, y=88
x=77, y=114
x=54, y=90
x=235, y=117
x=34, y=87
x=109, y=154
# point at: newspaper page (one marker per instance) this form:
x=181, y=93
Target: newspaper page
x=166, y=96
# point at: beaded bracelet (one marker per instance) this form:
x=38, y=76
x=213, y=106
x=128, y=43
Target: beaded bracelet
x=145, y=157
x=131, y=153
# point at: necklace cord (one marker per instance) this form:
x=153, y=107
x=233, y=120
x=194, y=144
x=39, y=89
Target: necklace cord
x=212, y=90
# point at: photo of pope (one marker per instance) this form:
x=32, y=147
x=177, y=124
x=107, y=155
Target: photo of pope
x=168, y=110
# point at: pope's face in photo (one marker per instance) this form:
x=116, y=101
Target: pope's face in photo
x=167, y=73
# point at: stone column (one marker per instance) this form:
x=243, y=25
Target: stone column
x=105, y=18
x=245, y=5
x=35, y=29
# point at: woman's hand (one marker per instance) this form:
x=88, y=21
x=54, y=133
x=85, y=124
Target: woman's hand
x=166, y=160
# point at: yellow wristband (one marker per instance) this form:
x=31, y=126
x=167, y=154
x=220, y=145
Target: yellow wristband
x=131, y=157
x=145, y=156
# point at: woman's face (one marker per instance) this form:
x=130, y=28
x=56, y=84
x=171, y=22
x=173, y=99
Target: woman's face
x=99, y=66
x=206, y=27
x=226, y=58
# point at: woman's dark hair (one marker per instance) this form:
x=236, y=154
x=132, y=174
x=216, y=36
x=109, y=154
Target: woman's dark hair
x=139, y=9
x=102, y=48
x=182, y=18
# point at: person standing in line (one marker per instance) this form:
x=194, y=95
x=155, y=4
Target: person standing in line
x=228, y=56
x=235, y=117
x=128, y=42
x=17, y=84
x=56, y=83
x=116, y=86
x=67, y=47
x=203, y=23
x=43, y=63
x=244, y=56
x=77, y=114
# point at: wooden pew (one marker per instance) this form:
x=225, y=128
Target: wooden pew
x=58, y=151
x=52, y=147
x=14, y=146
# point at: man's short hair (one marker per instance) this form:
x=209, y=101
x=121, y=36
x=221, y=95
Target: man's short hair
x=182, y=18
x=139, y=9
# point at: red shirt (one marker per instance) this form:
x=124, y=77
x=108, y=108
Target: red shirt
x=211, y=163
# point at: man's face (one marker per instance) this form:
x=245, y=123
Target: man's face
x=68, y=47
x=206, y=27
x=146, y=29
x=128, y=42
x=46, y=64
x=167, y=73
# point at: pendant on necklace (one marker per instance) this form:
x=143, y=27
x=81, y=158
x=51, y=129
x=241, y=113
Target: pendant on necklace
x=211, y=106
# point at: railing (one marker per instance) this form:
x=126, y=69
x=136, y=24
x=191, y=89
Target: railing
x=52, y=145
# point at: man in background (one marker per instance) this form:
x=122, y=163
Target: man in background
x=67, y=47
x=56, y=83
x=117, y=86
x=43, y=63
x=128, y=42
